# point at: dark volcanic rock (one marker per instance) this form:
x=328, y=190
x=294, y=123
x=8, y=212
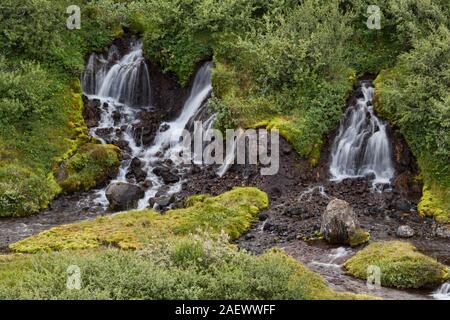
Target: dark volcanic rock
x=160, y=203
x=136, y=170
x=123, y=196
x=91, y=112
x=166, y=175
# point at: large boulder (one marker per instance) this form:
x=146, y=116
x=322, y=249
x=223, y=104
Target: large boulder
x=123, y=196
x=340, y=224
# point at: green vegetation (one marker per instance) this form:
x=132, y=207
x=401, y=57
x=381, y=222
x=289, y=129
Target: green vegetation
x=282, y=64
x=23, y=192
x=91, y=166
x=359, y=237
x=173, y=257
x=415, y=96
x=401, y=265
x=435, y=202
x=41, y=119
x=195, y=267
x=233, y=212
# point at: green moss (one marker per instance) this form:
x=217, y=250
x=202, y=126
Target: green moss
x=359, y=237
x=175, y=258
x=233, y=212
x=401, y=265
x=89, y=167
x=435, y=202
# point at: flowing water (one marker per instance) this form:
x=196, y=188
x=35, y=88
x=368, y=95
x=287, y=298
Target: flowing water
x=362, y=147
x=123, y=87
x=443, y=292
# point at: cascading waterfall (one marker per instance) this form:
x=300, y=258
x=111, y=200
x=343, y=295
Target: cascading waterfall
x=122, y=87
x=362, y=147
x=126, y=81
x=167, y=141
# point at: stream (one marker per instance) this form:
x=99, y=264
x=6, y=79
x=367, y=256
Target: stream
x=360, y=168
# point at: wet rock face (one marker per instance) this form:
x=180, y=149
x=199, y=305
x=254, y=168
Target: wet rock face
x=136, y=171
x=91, y=112
x=339, y=222
x=161, y=203
x=123, y=196
x=166, y=175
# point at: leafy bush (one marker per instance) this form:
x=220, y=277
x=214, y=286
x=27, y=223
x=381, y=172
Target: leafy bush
x=40, y=103
x=414, y=96
x=199, y=266
x=400, y=264
x=23, y=192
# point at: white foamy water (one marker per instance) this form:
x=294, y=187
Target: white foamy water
x=167, y=142
x=311, y=190
x=362, y=147
x=122, y=87
x=443, y=292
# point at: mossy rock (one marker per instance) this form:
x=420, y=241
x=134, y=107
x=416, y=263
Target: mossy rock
x=359, y=237
x=92, y=165
x=401, y=265
x=233, y=212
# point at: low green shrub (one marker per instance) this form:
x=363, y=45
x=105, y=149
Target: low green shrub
x=24, y=192
x=193, y=267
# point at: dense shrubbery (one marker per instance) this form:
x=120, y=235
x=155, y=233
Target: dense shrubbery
x=40, y=110
x=184, y=254
x=23, y=192
x=285, y=64
x=415, y=97
x=195, y=267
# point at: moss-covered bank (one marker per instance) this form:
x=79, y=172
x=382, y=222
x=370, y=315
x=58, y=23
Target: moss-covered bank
x=401, y=265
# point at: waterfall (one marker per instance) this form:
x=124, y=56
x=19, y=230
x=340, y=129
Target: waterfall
x=126, y=81
x=362, y=147
x=122, y=86
x=167, y=141
x=201, y=89
x=443, y=292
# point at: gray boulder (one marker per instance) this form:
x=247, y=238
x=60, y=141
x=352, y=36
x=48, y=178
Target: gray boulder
x=405, y=232
x=123, y=196
x=340, y=224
